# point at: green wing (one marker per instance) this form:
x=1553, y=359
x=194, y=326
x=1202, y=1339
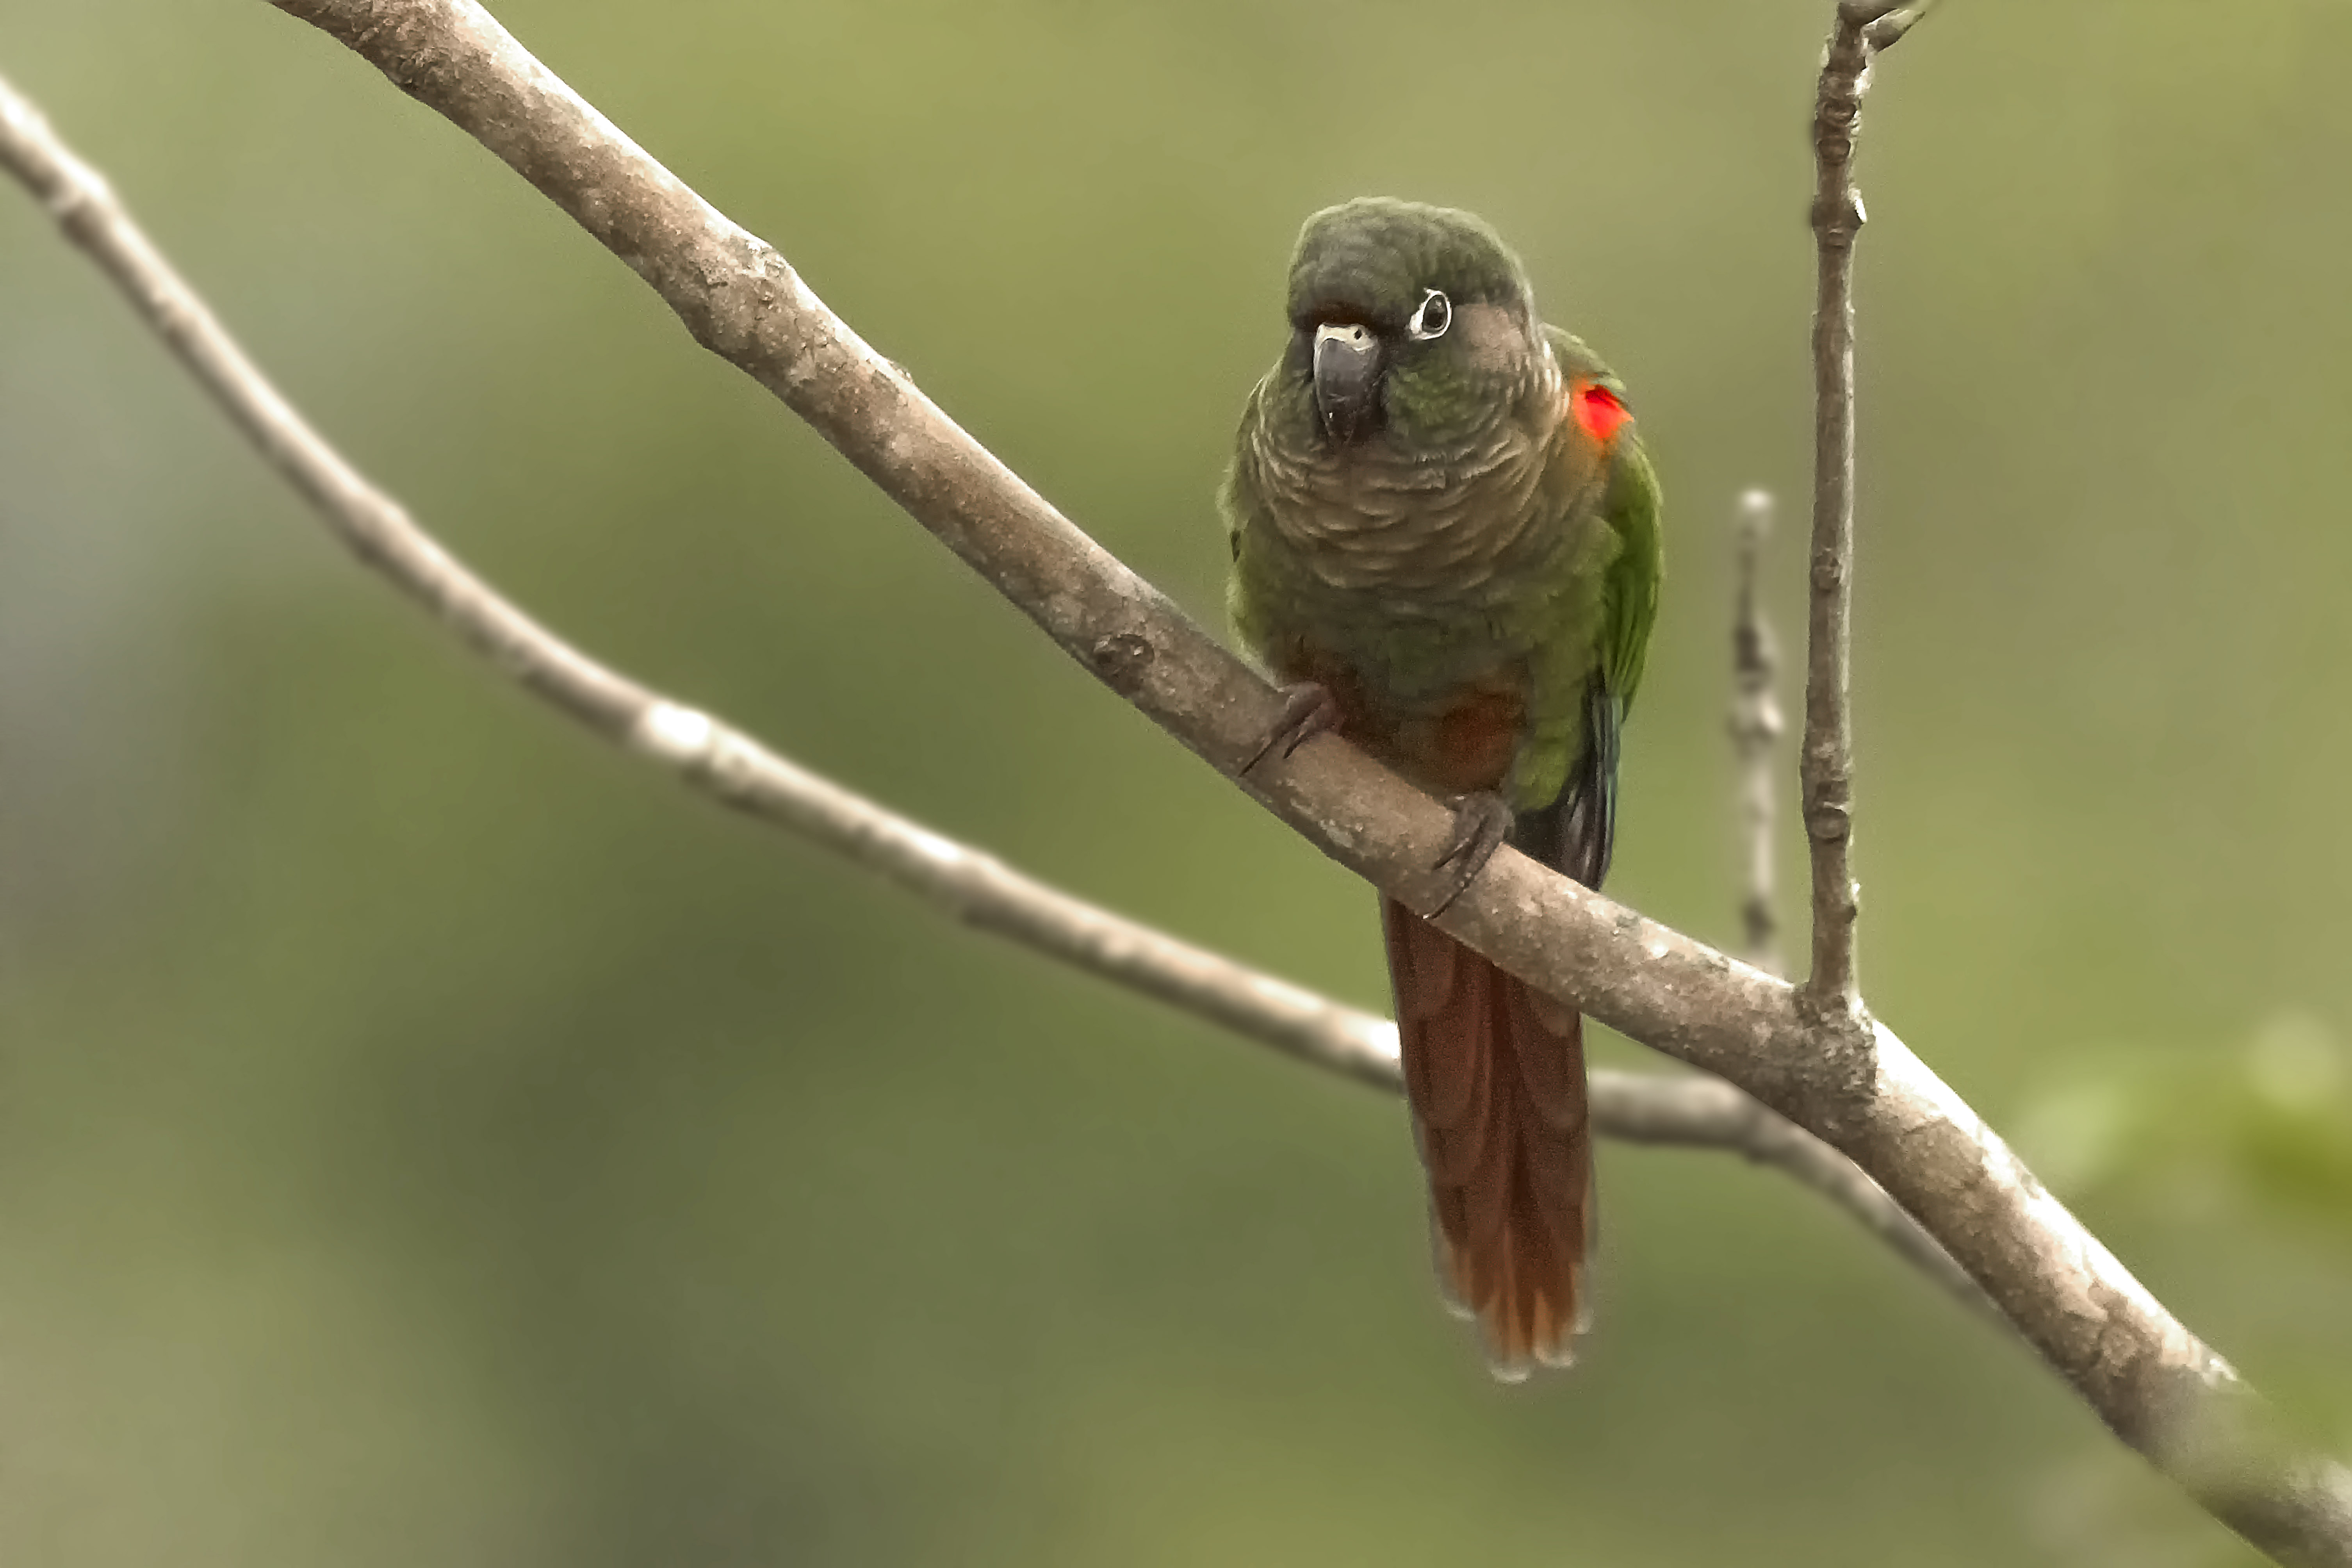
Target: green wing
x=1629, y=594
x=1579, y=831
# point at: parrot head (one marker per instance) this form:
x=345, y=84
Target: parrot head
x=1409, y=325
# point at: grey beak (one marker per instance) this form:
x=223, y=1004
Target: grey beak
x=1347, y=379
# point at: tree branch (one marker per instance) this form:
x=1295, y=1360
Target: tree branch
x=1754, y=726
x=1884, y=25
x=1827, y=767
x=2152, y=1381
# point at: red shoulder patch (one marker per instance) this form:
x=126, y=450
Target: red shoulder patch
x=1597, y=411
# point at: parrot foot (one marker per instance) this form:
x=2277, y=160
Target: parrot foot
x=1307, y=709
x=1481, y=822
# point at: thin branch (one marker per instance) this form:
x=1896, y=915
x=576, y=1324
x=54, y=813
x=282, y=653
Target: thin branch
x=730, y=766
x=2154, y=1383
x=1884, y=26
x=1713, y=1114
x=1827, y=766
x=1754, y=726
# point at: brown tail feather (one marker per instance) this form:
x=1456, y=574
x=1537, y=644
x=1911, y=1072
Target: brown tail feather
x=1495, y=1073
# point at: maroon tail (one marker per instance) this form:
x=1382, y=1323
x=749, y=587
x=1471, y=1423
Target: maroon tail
x=1495, y=1072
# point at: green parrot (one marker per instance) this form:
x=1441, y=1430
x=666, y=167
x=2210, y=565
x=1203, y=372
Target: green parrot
x=1445, y=541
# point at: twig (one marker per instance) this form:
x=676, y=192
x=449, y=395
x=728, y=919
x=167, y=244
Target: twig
x=2154, y=1383
x=1754, y=726
x=1827, y=767
x=1884, y=26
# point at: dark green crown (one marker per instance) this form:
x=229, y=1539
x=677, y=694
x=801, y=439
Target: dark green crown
x=1371, y=259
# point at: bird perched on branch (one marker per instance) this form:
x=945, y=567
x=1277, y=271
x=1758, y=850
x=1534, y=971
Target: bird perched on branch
x=1445, y=540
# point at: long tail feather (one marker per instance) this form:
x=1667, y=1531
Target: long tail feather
x=1495, y=1072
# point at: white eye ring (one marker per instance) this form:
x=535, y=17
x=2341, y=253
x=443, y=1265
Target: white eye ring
x=1434, y=315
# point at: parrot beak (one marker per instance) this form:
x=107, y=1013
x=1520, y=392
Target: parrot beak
x=1347, y=379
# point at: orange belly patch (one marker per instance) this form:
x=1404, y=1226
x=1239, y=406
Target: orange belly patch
x=1465, y=746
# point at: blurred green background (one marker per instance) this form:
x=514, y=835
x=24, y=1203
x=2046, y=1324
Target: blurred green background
x=429, y=1137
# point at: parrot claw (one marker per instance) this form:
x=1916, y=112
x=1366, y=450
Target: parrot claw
x=1481, y=822
x=1307, y=711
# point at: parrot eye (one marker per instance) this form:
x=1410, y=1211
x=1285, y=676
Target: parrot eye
x=1430, y=319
